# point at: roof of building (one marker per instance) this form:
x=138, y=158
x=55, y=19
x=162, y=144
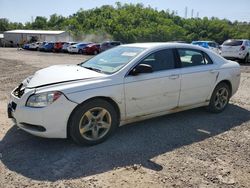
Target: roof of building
x=35, y=32
x=1, y=36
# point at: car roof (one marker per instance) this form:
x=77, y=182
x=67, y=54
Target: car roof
x=153, y=45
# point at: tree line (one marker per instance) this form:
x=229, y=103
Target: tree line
x=136, y=23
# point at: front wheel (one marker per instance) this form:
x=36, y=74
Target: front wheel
x=93, y=122
x=220, y=98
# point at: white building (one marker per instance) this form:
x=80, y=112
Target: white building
x=1, y=40
x=14, y=37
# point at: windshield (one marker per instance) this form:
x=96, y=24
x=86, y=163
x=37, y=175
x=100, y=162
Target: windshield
x=233, y=43
x=112, y=60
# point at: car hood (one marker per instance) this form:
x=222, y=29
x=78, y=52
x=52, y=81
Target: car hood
x=60, y=74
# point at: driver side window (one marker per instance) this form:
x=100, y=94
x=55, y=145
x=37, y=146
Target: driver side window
x=160, y=60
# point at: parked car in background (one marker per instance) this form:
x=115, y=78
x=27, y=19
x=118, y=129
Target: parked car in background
x=78, y=48
x=40, y=48
x=34, y=46
x=47, y=47
x=109, y=44
x=125, y=84
x=209, y=45
x=26, y=46
x=58, y=46
x=66, y=45
x=236, y=49
x=92, y=49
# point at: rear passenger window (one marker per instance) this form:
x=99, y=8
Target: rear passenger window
x=160, y=60
x=190, y=58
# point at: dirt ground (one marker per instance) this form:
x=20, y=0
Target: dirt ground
x=187, y=149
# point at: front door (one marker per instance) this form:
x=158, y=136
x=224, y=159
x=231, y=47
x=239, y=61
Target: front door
x=153, y=92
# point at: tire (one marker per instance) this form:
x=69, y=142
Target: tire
x=245, y=60
x=93, y=122
x=80, y=51
x=95, y=52
x=220, y=98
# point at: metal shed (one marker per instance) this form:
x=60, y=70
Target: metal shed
x=15, y=37
x=1, y=40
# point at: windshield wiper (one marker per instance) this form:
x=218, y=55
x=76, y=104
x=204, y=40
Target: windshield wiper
x=94, y=69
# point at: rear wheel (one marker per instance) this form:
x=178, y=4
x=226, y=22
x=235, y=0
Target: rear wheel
x=245, y=60
x=220, y=98
x=95, y=52
x=93, y=122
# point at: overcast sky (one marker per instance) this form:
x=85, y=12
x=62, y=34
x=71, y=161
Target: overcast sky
x=24, y=10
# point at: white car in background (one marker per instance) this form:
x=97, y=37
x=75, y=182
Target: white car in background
x=66, y=45
x=125, y=84
x=34, y=45
x=236, y=49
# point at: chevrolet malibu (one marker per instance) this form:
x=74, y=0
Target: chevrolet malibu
x=129, y=83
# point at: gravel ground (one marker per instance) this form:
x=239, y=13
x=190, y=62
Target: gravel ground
x=187, y=149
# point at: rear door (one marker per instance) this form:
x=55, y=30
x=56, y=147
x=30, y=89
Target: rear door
x=198, y=75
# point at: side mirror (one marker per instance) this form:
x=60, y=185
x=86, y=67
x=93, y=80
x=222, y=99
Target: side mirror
x=142, y=68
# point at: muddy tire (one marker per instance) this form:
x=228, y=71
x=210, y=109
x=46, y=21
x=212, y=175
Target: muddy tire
x=93, y=122
x=220, y=98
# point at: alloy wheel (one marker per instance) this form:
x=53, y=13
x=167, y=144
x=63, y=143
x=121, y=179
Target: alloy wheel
x=221, y=98
x=95, y=123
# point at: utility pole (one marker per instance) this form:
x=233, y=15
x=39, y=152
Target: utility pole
x=186, y=12
x=192, y=13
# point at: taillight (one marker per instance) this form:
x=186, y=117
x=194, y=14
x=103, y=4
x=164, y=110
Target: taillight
x=242, y=48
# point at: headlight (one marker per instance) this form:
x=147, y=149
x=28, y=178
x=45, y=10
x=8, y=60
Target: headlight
x=43, y=99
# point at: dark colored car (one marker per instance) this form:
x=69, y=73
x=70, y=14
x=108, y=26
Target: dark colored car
x=58, y=46
x=109, y=44
x=26, y=46
x=47, y=47
x=92, y=49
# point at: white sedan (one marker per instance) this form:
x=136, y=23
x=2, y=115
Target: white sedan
x=129, y=83
x=34, y=46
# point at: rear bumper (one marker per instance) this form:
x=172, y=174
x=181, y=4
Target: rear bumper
x=234, y=56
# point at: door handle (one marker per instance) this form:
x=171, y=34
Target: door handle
x=213, y=71
x=174, y=76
